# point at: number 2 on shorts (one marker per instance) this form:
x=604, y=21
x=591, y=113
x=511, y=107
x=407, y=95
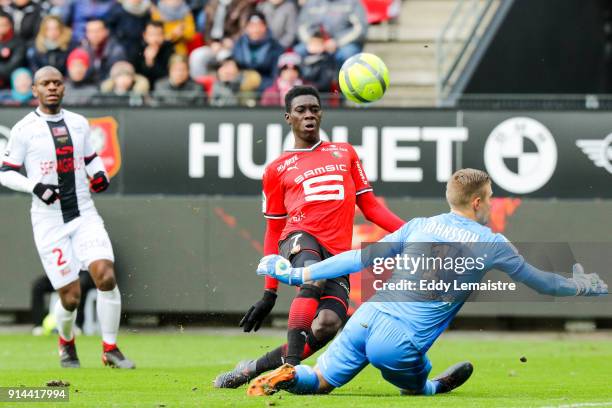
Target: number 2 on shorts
x=60, y=254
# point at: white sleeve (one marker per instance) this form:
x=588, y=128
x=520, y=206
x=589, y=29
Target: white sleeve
x=14, y=156
x=16, y=181
x=16, y=149
x=93, y=163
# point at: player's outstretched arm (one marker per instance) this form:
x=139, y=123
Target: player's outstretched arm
x=377, y=213
x=339, y=265
x=548, y=283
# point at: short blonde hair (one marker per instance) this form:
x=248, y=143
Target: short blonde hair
x=464, y=184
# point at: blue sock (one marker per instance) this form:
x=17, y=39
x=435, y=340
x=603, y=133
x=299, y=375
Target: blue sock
x=430, y=388
x=306, y=381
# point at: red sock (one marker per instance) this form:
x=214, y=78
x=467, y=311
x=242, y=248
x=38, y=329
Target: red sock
x=108, y=347
x=308, y=351
x=64, y=342
x=301, y=315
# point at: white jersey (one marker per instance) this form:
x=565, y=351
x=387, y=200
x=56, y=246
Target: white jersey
x=55, y=150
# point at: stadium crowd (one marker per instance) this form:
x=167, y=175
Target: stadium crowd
x=177, y=52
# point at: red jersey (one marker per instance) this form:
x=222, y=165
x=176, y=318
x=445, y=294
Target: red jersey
x=316, y=190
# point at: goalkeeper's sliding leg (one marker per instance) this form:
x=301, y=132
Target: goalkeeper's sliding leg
x=370, y=337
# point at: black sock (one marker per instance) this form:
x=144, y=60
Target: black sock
x=297, y=339
x=271, y=359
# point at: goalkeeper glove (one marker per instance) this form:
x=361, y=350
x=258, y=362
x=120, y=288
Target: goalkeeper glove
x=280, y=268
x=99, y=182
x=587, y=284
x=47, y=193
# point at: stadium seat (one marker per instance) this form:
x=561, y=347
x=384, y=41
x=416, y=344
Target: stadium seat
x=377, y=10
x=196, y=42
x=207, y=81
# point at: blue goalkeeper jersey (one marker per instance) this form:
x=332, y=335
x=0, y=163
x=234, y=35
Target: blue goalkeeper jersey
x=425, y=314
x=425, y=319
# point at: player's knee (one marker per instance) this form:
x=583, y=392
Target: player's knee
x=326, y=325
x=103, y=273
x=107, y=282
x=70, y=295
x=70, y=300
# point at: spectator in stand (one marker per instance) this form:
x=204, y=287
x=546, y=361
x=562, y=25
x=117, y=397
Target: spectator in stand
x=226, y=18
x=288, y=77
x=344, y=22
x=234, y=87
x=125, y=86
x=179, y=26
x=197, y=11
x=203, y=60
x=20, y=93
x=154, y=54
x=281, y=16
x=53, y=7
x=224, y=23
x=257, y=49
x=127, y=21
x=179, y=89
x=76, y=14
x=12, y=50
x=79, y=88
x=318, y=66
x=26, y=16
x=102, y=48
x=51, y=46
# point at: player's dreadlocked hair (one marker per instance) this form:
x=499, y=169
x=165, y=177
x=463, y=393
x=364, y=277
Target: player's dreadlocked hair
x=299, y=91
x=464, y=184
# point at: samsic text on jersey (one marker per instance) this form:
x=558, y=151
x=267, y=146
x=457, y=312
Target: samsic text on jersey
x=316, y=189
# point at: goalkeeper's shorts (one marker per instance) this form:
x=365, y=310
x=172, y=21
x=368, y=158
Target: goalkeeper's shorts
x=373, y=337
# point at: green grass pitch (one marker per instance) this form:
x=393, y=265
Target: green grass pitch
x=176, y=370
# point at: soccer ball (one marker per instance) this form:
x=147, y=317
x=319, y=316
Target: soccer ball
x=364, y=78
x=49, y=324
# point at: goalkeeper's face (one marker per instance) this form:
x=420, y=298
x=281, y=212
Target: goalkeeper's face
x=482, y=205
